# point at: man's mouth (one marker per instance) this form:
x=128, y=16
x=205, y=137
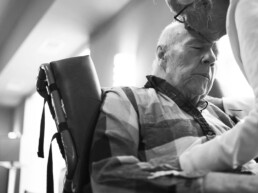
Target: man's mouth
x=203, y=75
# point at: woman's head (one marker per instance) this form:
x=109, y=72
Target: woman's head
x=205, y=16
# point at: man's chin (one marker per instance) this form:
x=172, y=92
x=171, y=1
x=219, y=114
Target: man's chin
x=198, y=91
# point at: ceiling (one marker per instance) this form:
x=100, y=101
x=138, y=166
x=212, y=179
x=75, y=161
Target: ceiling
x=40, y=31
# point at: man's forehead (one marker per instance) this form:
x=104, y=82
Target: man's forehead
x=179, y=29
x=197, y=37
x=199, y=40
x=186, y=36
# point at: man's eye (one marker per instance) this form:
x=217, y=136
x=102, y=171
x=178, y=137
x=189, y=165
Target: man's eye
x=196, y=47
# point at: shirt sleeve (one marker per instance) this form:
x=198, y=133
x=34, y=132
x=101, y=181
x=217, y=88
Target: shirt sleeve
x=238, y=145
x=115, y=164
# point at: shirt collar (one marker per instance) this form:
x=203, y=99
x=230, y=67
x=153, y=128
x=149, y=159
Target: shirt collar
x=164, y=87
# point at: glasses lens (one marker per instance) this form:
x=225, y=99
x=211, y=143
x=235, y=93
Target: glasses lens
x=180, y=19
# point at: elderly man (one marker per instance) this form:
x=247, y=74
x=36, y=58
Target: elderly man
x=141, y=132
x=240, y=144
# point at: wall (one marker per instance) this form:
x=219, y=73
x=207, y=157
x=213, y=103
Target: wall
x=33, y=170
x=6, y=116
x=136, y=31
x=4, y=179
x=11, y=119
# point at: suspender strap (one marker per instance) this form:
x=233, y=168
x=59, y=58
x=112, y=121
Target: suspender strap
x=167, y=89
x=50, y=179
x=52, y=87
x=42, y=133
x=131, y=97
x=62, y=127
x=129, y=93
x=42, y=125
x=42, y=90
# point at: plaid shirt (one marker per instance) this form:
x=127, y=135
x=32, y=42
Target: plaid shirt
x=139, y=153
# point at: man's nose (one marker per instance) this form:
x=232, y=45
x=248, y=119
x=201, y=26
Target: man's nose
x=209, y=57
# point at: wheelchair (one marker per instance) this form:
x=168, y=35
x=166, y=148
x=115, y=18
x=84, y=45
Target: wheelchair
x=73, y=93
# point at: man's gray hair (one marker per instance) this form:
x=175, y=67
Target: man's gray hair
x=166, y=39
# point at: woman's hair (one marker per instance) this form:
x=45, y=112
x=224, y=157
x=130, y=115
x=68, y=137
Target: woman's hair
x=205, y=16
x=198, y=11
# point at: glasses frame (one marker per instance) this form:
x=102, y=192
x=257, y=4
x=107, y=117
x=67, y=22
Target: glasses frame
x=180, y=12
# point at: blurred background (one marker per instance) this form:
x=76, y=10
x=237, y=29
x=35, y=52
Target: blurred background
x=121, y=37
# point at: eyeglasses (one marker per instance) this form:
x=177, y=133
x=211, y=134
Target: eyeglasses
x=181, y=18
x=178, y=17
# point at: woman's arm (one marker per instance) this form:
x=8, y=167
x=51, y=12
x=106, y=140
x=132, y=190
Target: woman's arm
x=238, y=145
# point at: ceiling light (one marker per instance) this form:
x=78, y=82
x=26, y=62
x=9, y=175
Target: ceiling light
x=14, y=87
x=124, y=70
x=14, y=135
x=51, y=46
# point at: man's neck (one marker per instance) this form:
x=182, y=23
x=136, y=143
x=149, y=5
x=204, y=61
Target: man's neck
x=191, y=98
x=194, y=99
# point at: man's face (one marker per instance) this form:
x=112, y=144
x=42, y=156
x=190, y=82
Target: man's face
x=191, y=65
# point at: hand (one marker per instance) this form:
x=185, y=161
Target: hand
x=216, y=101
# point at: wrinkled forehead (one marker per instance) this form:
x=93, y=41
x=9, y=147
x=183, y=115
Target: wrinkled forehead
x=191, y=38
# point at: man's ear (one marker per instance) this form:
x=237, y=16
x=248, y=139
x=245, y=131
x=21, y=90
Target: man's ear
x=161, y=51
